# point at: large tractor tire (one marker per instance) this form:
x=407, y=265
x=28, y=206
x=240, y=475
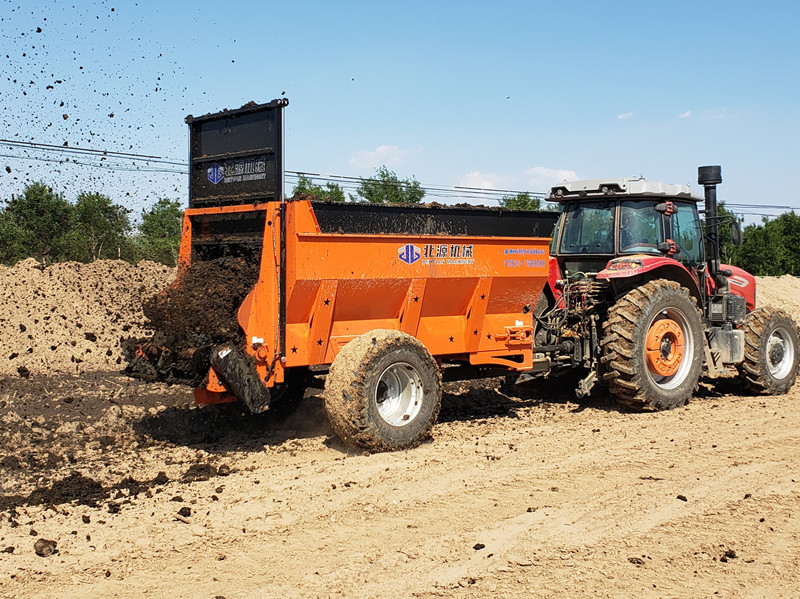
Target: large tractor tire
x=770, y=351
x=383, y=391
x=653, y=346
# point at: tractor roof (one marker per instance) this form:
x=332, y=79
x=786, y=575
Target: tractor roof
x=626, y=187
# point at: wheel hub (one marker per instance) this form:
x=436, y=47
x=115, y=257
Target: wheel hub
x=398, y=394
x=780, y=353
x=776, y=353
x=665, y=347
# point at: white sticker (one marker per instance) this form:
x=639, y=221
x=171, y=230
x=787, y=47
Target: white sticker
x=257, y=340
x=519, y=323
x=224, y=353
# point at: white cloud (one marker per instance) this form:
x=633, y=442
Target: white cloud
x=685, y=115
x=536, y=179
x=481, y=180
x=625, y=115
x=380, y=156
x=541, y=178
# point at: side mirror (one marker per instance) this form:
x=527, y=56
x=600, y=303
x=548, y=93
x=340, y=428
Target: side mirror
x=736, y=233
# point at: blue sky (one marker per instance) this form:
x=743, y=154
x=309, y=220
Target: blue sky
x=515, y=95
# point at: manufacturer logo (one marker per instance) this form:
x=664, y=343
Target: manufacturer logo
x=738, y=281
x=409, y=253
x=215, y=173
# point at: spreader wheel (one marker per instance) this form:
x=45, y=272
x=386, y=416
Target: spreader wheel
x=383, y=391
x=770, y=351
x=652, y=346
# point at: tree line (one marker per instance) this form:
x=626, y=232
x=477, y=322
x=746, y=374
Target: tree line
x=43, y=224
x=385, y=187
x=771, y=248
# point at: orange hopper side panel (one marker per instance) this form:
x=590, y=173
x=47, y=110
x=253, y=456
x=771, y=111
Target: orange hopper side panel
x=464, y=297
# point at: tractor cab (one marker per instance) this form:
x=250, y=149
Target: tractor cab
x=604, y=219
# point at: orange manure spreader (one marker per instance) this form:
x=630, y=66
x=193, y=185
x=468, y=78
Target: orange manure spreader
x=384, y=299
x=388, y=301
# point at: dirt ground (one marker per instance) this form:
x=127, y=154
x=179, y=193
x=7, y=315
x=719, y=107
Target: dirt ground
x=526, y=493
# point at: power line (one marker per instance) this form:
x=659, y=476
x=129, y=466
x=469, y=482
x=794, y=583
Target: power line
x=775, y=206
x=125, y=161
x=107, y=166
x=348, y=183
x=65, y=148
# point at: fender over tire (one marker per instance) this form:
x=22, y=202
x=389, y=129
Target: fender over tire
x=770, y=351
x=383, y=391
x=653, y=346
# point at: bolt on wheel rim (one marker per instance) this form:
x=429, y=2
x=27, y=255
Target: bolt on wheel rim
x=780, y=353
x=398, y=394
x=669, y=348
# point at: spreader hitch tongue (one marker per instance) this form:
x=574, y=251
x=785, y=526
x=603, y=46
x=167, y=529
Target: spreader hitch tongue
x=238, y=370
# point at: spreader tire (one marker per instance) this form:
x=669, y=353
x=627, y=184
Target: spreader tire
x=383, y=391
x=653, y=346
x=288, y=395
x=770, y=351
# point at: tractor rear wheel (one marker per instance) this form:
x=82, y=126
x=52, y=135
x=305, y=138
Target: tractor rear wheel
x=383, y=391
x=771, y=349
x=653, y=346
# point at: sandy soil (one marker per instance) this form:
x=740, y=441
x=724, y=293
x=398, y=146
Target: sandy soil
x=71, y=317
x=518, y=494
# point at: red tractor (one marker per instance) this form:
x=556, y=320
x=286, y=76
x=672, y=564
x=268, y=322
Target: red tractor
x=637, y=297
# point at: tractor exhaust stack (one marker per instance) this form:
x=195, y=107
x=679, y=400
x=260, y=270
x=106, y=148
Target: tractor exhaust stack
x=709, y=177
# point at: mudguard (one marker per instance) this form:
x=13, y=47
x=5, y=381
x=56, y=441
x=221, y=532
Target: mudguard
x=626, y=267
x=742, y=283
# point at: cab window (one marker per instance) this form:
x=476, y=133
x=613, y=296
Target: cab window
x=686, y=233
x=641, y=228
x=587, y=228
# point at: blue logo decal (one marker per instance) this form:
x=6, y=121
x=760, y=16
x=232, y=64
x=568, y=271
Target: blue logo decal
x=215, y=173
x=409, y=253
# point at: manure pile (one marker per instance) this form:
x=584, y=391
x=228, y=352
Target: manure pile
x=69, y=318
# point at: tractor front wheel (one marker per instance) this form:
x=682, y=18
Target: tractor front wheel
x=653, y=346
x=383, y=391
x=770, y=351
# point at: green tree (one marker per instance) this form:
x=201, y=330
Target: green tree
x=100, y=226
x=771, y=247
x=159, y=235
x=728, y=253
x=13, y=240
x=521, y=201
x=41, y=222
x=762, y=251
x=790, y=238
x=386, y=188
x=330, y=193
